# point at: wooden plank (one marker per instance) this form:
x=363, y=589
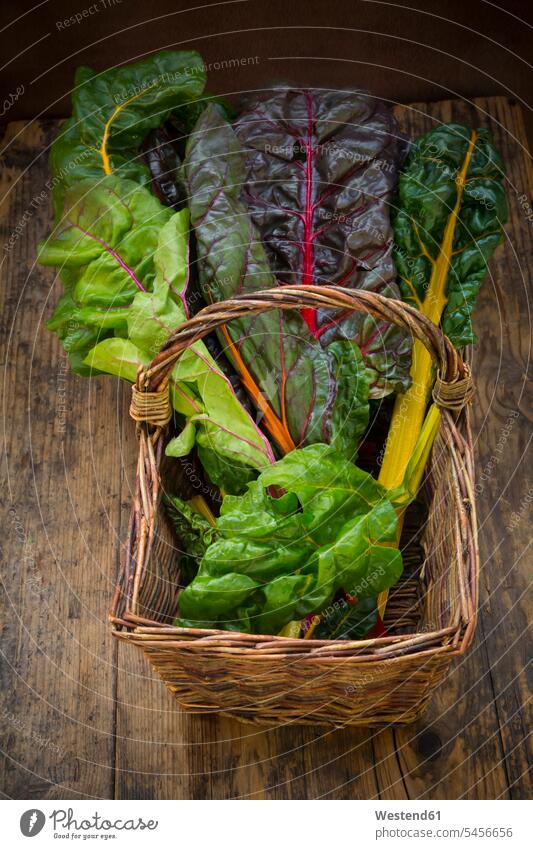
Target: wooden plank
x=502, y=425
x=59, y=508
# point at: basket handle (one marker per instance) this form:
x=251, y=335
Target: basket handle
x=453, y=387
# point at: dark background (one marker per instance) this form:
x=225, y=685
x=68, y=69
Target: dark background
x=446, y=48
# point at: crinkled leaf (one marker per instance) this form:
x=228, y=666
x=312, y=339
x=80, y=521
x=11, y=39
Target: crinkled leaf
x=107, y=238
x=344, y=621
x=320, y=169
x=115, y=110
x=77, y=339
x=350, y=414
x=332, y=527
x=126, y=258
x=225, y=465
x=427, y=200
x=71, y=160
x=153, y=315
x=288, y=374
x=105, y=247
x=163, y=162
x=171, y=258
x=194, y=532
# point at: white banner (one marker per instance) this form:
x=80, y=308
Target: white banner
x=284, y=824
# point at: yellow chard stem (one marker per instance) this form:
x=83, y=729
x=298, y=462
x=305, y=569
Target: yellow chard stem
x=106, y=162
x=312, y=627
x=417, y=464
x=409, y=408
x=202, y=507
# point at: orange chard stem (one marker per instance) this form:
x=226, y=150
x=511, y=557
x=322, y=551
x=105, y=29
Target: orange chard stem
x=276, y=427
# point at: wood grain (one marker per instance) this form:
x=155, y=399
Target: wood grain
x=60, y=508
x=116, y=730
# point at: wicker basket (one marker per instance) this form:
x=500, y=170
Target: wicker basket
x=270, y=679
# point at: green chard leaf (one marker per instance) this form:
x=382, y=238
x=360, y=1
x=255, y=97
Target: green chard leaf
x=71, y=161
x=116, y=356
x=304, y=393
x=115, y=110
x=125, y=262
x=344, y=621
x=279, y=559
x=104, y=246
x=434, y=208
x=183, y=444
x=230, y=445
x=194, y=532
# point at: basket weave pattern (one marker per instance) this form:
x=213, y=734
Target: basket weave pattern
x=268, y=679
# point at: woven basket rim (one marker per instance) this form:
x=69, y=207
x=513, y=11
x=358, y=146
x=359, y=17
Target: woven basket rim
x=449, y=638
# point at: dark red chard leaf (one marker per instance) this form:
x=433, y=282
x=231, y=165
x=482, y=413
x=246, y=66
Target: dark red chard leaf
x=304, y=393
x=321, y=167
x=163, y=162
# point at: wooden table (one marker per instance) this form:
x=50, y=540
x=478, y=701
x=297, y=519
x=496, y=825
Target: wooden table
x=83, y=716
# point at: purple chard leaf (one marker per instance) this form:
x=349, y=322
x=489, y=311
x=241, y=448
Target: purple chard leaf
x=320, y=169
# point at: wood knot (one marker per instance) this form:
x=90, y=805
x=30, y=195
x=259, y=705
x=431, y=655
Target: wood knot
x=429, y=745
